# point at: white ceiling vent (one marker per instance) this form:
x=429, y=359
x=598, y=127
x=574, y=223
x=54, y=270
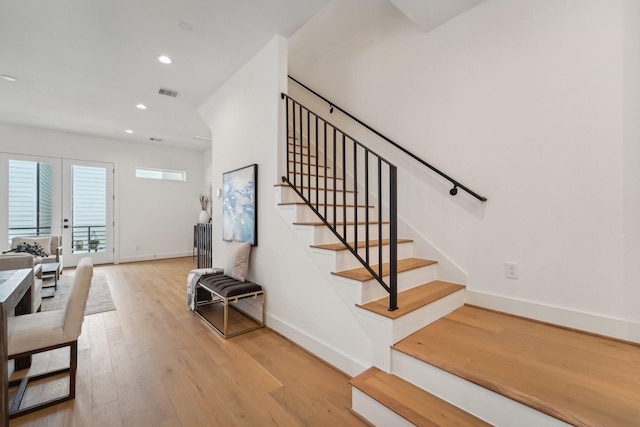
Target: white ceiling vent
x=168, y=92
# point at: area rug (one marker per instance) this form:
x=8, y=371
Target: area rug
x=99, y=294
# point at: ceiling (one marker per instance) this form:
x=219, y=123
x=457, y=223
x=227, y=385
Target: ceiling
x=83, y=65
x=429, y=14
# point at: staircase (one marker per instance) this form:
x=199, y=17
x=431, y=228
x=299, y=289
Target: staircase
x=421, y=297
x=436, y=361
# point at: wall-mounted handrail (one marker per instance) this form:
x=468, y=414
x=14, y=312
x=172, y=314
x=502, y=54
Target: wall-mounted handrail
x=456, y=184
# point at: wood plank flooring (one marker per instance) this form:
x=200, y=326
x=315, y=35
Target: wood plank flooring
x=583, y=379
x=151, y=362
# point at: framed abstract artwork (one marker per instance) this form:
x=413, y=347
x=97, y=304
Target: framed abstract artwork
x=240, y=205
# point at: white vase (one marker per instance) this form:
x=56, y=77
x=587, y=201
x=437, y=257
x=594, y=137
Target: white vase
x=203, y=218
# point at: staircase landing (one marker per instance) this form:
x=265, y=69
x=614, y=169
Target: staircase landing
x=580, y=378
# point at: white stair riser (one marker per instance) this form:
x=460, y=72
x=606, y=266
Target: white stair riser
x=303, y=181
x=492, y=407
x=288, y=195
x=424, y=316
x=344, y=260
x=305, y=214
x=376, y=413
x=294, y=137
x=305, y=170
x=302, y=160
x=322, y=234
x=302, y=152
x=371, y=289
x=390, y=331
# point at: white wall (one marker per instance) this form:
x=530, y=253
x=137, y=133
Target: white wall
x=207, y=174
x=244, y=119
x=532, y=104
x=154, y=219
x=631, y=154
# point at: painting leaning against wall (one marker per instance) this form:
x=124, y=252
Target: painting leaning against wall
x=240, y=205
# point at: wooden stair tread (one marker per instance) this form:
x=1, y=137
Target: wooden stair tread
x=410, y=402
x=306, y=165
x=580, y=378
x=329, y=178
x=320, y=190
x=339, y=223
x=362, y=274
x=413, y=299
x=323, y=204
x=299, y=153
x=361, y=244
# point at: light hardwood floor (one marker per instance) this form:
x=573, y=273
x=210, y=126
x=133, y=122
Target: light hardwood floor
x=151, y=362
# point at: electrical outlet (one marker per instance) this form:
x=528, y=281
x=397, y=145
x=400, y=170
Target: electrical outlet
x=511, y=270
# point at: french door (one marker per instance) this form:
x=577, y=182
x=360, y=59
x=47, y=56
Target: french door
x=51, y=196
x=87, y=211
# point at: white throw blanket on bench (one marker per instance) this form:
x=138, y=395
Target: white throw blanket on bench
x=192, y=280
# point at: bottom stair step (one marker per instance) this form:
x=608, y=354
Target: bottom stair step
x=576, y=377
x=410, y=402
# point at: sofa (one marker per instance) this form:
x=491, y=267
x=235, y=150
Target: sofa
x=52, y=246
x=16, y=261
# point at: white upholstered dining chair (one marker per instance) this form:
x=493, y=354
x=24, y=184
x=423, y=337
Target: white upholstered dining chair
x=48, y=330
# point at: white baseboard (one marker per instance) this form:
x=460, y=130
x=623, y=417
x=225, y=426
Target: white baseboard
x=151, y=257
x=597, y=324
x=318, y=348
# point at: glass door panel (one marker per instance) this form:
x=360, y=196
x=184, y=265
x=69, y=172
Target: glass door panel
x=88, y=211
x=30, y=199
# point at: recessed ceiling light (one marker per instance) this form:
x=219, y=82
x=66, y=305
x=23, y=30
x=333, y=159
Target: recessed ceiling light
x=128, y=131
x=164, y=59
x=206, y=138
x=8, y=78
x=141, y=106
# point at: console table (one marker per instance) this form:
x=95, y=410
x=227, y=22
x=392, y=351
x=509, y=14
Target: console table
x=15, y=293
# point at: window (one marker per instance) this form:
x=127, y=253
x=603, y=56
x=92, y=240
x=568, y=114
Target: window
x=161, y=174
x=89, y=207
x=30, y=198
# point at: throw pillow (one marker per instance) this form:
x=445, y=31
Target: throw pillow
x=237, y=262
x=35, y=249
x=43, y=242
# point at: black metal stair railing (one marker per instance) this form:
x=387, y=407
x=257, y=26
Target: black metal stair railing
x=323, y=161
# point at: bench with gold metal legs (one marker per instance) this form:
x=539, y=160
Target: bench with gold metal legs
x=230, y=319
